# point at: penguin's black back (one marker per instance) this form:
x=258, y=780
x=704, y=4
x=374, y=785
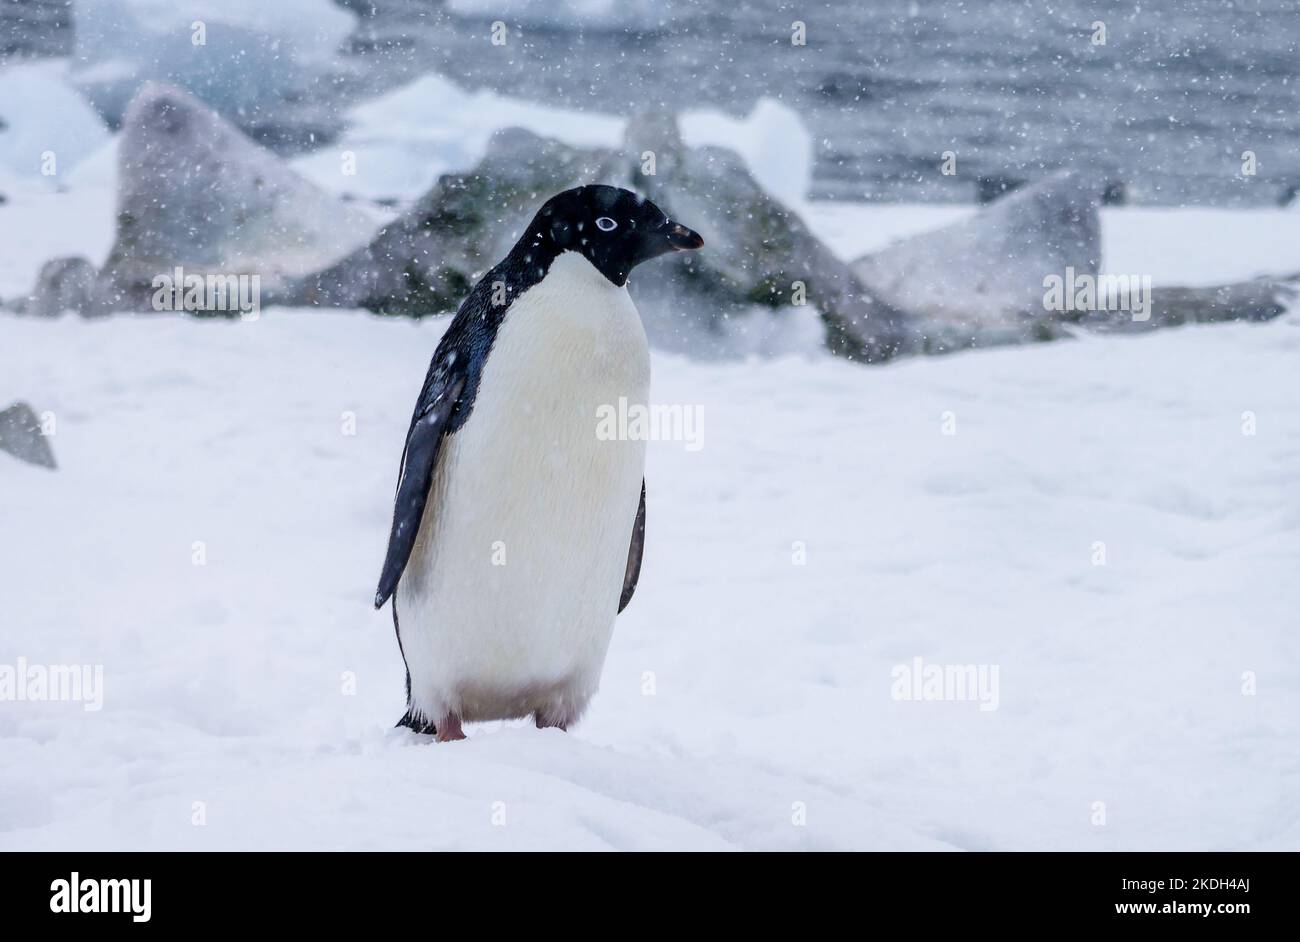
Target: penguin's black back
x=451, y=385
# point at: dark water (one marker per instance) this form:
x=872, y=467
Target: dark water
x=35, y=28
x=1179, y=90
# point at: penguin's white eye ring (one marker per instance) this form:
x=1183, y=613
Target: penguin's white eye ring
x=605, y=224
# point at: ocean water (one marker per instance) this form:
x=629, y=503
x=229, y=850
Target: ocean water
x=1167, y=105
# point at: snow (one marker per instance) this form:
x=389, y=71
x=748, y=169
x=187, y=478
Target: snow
x=99, y=168
x=38, y=223
x=772, y=680
x=1202, y=246
x=223, y=683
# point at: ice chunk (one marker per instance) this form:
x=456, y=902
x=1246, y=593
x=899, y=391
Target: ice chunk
x=402, y=142
x=44, y=123
x=206, y=46
x=776, y=146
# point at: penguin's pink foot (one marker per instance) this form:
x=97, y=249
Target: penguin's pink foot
x=449, y=728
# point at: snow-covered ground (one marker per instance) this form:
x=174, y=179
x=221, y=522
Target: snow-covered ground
x=741, y=687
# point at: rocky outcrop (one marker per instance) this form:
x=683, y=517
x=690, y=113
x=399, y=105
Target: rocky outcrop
x=194, y=192
x=425, y=261
x=979, y=282
x=986, y=280
x=759, y=251
x=22, y=437
x=760, y=254
x=1259, y=300
x=63, y=285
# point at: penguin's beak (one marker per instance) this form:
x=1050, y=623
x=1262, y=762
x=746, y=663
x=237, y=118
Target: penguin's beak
x=680, y=238
x=663, y=239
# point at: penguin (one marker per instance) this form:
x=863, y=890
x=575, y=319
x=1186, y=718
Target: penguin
x=517, y=532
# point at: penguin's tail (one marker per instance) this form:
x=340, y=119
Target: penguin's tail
x=416, y=723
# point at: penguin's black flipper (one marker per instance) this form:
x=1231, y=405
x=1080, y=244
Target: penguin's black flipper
x=634, y=552
x=442, y=389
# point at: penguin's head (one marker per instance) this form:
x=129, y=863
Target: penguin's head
x=615, y=229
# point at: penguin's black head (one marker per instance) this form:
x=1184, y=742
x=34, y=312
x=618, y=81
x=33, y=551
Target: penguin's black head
x=614, y=229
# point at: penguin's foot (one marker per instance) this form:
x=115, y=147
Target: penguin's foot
x=449, y=728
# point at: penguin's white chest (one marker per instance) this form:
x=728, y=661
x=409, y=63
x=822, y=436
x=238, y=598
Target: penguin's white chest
x=508, y=602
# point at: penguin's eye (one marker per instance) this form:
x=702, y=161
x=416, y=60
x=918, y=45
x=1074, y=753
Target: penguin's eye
x=605, y=224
